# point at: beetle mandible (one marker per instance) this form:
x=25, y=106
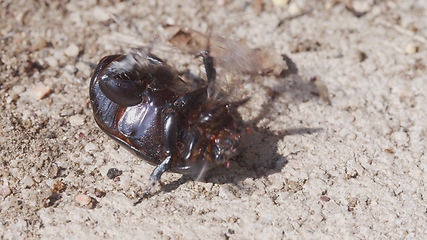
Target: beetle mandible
x=141, y=102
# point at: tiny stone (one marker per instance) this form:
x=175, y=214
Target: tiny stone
x=50, y=135
x=113, y=172
x=70, y=68
x=225, y=192
x=322, y=89
x=51, y=61
x=280, y=2
x=170, y=21
x=27, y=123
x=83, y=199
x=27, y=182
x=91, y=147
x=18, y=89
x=276, y=183
x=99, y=193
x=77, y=120
x=41, y=91
x=5, y=191
x=14, y=96
x=325, y=198
x=361, y=6
x=411, y=49
x=294, y=9
x=361, y=56
x=100, y=14
x=72, y=50
x=9, y=100
x=40, y=43
x=330, y=4
x=59, y=186
x=400, y=137
x=53, y=170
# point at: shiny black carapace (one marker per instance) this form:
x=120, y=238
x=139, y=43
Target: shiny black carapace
x=141, y=102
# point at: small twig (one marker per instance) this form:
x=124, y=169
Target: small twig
x=398, y=49
x=401, y=30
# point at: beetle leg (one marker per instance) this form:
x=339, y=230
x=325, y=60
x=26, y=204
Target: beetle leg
x=170, y=132
x=160, y=169
x=170, y=135
x=154, y=183
x=208, y=61
x=191, y=99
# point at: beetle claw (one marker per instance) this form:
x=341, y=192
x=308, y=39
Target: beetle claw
x=153, y=187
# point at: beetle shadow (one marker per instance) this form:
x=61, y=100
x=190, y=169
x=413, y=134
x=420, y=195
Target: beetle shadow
x=293, y=86
x=258, y=150
x=258, y=154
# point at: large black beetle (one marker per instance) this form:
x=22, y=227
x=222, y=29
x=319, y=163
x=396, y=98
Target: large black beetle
x=141, y=102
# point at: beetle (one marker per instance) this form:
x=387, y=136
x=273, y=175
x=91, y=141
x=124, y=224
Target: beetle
x=141, y=102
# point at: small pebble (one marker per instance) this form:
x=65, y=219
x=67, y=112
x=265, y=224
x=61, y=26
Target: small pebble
x=72, y=50
x=18, y=89
x=388, y=150
x=27, y=182
x=361, y=6
x=411, y=49
x=59, y=187
x=91, y=147
x=280, y=2
x=325, y=198
x=322, y=89
x=99, y=193
x=50, y=201
x=39, y=43
x=361, y=56
x=5, y=191
x=294, y=9
x=51, y=61
x=70, y=68
x=83, y=199
x=100, y=14
x=113, y=172
x=77, y=120
x=9, y=100
x=41, y=91
x=330, y=4
x=401, y=138
x=52, y=171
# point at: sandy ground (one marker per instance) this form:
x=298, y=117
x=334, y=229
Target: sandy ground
x=354, y=168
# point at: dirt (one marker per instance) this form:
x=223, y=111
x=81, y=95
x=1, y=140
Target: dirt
x=338, y=140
